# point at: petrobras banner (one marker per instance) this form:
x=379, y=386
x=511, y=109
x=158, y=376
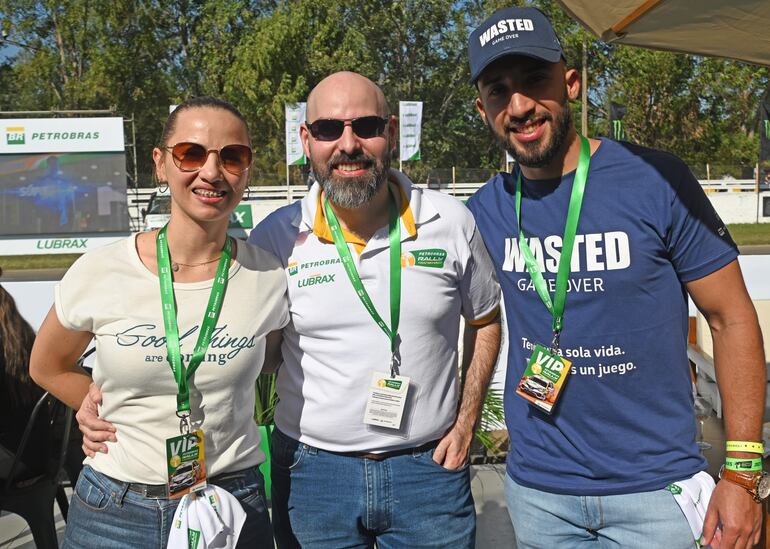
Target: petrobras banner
x=61, y=135
x=295, y=115
x=410, y=129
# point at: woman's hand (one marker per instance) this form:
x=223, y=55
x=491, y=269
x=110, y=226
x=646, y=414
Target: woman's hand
x=95, y=430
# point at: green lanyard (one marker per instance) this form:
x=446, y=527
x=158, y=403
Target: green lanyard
x=395, y=275
x=570, y=229
x=181, y=374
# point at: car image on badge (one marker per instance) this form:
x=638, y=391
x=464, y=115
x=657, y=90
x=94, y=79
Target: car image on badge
x=184, y=476
x=537, y=387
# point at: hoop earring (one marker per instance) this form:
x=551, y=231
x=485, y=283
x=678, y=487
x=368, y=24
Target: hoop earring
x=162, y=186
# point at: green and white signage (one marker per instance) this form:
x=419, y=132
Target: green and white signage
x=410, y=129
x=61, y=135
x=295, y=115
x=55, y=244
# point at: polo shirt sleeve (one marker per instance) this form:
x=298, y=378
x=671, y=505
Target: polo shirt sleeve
x=479, y=289
x=276, y=233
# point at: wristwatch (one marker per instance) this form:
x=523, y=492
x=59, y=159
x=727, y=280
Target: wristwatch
x=758, y=485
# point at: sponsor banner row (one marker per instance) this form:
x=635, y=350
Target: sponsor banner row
x=54, y=135
x=55, y=245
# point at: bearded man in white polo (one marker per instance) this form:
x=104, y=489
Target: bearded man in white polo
x=372, y=438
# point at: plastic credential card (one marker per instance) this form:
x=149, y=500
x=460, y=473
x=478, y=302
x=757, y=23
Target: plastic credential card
x=186, y=463
x=386, y=401
x=543, y=379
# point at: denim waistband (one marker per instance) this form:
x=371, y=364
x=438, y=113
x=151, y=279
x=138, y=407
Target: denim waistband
x=160, y=491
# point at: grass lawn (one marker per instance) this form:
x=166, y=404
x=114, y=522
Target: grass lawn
x=22, y=262
x=746, y=234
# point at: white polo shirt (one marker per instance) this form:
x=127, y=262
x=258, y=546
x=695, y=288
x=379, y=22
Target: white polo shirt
x=332, y=346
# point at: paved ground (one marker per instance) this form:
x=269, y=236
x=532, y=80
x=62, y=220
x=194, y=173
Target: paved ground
x=493, y=530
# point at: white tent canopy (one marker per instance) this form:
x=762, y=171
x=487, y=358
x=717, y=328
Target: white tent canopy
x=738, y=29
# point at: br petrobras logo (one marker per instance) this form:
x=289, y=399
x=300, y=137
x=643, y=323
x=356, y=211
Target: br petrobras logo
x=293, y=268
x=15, y=135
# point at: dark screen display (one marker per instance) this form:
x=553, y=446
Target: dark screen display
x=63, y=193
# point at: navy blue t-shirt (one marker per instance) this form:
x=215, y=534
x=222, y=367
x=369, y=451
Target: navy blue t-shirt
x=624, y=422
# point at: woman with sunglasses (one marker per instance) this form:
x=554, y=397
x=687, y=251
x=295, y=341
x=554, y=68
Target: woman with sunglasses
x=180, y=317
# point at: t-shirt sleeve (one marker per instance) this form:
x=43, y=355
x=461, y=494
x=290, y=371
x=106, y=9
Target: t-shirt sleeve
x=73, y=296
x=479, y=289
x=698, y=240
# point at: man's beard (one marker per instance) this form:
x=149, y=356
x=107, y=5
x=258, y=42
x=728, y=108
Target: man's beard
x=352, y=192
x=539, y=154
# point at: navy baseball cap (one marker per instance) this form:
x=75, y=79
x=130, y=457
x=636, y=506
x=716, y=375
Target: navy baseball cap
x=512, y=31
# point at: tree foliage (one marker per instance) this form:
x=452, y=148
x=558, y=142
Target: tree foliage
x=137, y=58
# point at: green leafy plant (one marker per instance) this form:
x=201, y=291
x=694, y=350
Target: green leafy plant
x=492, y=419
x=266, y=399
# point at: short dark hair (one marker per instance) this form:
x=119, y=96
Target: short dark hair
x=204, y=101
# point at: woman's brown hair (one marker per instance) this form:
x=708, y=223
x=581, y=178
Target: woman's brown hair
x=16, y=339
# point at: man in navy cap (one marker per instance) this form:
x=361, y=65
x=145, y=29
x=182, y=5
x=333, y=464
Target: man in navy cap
x=598, y=389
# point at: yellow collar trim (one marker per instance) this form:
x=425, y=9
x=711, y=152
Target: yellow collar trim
x=322, y=231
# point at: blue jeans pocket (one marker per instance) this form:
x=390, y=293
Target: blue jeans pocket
x=247, y=488
x=285, y=452
x=429, y=456
x=90, y=492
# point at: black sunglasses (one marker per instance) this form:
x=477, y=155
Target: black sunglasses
x=191, y=157
x=330, y=129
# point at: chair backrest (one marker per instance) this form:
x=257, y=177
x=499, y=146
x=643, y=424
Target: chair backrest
x=17, y=466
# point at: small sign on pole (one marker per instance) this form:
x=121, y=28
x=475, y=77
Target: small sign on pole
x=410, y=130
x=295, y=155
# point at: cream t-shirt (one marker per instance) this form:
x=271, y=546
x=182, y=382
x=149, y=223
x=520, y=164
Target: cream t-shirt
x=111, y=293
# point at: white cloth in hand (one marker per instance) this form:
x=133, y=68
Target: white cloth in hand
x=693, y=496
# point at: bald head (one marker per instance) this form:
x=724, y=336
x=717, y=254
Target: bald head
x=346, y=95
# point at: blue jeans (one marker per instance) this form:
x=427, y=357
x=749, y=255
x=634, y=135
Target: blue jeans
x=327, y=500
x=641, y=520
x=104, y=514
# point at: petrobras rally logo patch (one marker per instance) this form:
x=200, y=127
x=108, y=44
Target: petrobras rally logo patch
x=293, y=268
x=432, y=257
x=15, y=135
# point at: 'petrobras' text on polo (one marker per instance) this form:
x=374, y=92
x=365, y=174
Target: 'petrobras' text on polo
x=506, y=25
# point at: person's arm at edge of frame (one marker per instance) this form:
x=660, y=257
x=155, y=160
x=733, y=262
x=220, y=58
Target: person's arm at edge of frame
x=741, y=377
x=481, y=345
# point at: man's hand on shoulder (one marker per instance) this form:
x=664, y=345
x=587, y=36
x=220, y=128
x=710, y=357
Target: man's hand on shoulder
x=740, y=517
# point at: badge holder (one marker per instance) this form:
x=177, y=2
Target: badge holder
x=185, y=460
x=387, y=398
x=543, y=379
